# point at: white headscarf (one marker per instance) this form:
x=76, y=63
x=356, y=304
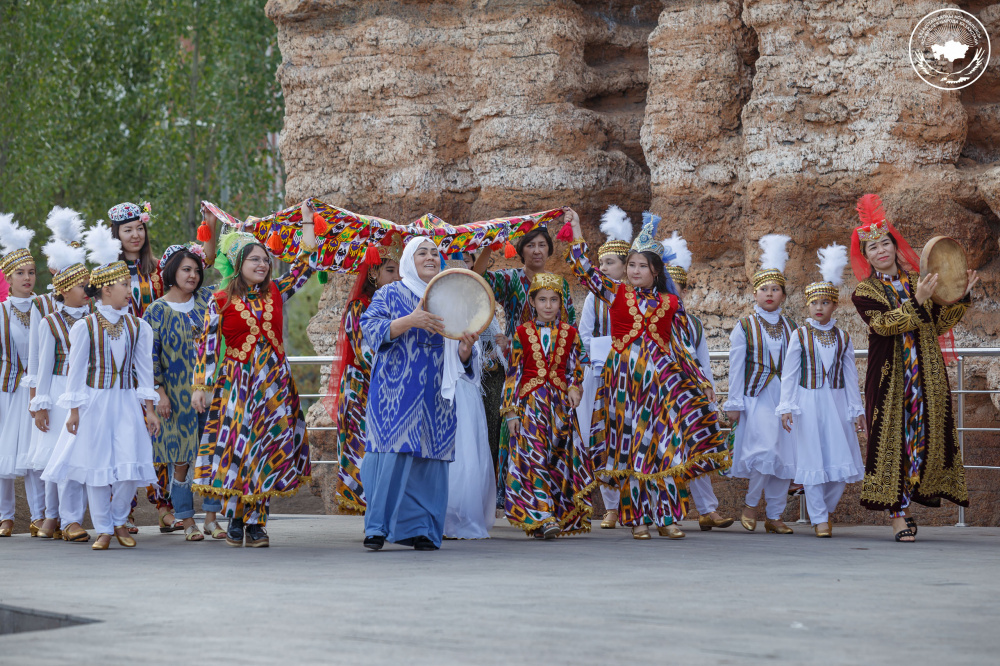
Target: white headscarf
x=413, y=282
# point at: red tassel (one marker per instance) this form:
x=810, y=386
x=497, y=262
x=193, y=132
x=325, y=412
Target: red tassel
x=319, y=224
x=204, y=232
x=372, y=256
x=275, y=244
x=566, y=233
x=509, y=251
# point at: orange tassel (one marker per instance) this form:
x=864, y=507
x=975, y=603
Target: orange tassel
x=509, y=251
x=319, y=224
x=275, y=244
x=204, y=232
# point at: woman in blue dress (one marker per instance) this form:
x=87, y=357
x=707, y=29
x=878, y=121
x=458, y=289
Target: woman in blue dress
x=411, y=407
x=177, y=320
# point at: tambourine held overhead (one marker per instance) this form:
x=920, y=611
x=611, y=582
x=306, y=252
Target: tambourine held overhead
x=944, y=256
x=463, y=299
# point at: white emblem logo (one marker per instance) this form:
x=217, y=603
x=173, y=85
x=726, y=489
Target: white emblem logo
x=949, y=49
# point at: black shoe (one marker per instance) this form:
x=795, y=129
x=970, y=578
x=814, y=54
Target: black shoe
x=374, y=542
x=257, y=537
x=234, y=533
x=423, y=543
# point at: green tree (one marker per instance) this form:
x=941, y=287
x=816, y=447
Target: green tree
x=173, y=101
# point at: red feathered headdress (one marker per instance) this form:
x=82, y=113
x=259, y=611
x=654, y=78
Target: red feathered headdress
x=873, y=227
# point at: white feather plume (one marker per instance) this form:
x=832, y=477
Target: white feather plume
x=773, y=252
x=679, y=247
x=616, y=225
x=65, y=223
x=102, y=247
x=832, y=261
x=12, y=235
x=62, y=255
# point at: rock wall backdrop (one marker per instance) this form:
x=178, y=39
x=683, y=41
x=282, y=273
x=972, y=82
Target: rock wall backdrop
x=729, y=119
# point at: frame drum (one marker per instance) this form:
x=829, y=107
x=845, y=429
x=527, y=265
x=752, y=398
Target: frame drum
x=944, y=256
x=463, y=299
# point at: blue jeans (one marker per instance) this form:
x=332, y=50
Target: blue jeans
x=183, y=498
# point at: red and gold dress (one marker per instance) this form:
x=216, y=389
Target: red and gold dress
x=255, y=444
x=550, y=475
x=653, y=425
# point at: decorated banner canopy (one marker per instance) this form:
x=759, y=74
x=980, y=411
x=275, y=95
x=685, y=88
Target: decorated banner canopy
x=344, y=237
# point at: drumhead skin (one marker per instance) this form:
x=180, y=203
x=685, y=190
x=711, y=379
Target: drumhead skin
x=463, y=299
x=944, y=256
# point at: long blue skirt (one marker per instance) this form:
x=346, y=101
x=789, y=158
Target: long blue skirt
x=407, y=496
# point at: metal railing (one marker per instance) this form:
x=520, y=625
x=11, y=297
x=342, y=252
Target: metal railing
x=960, y=391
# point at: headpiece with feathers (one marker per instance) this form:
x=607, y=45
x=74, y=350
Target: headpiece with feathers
x=874, y=226
x=14, y=242
x=773, y=258
x=832, y=260
x=103, y=250
x=61, y=255
x=616, y=225
x=679, y=266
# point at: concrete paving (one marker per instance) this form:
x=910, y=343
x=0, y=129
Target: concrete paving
x=317, y=597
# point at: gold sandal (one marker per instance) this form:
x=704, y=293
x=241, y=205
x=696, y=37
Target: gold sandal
x=192, y=533
x=214, y=529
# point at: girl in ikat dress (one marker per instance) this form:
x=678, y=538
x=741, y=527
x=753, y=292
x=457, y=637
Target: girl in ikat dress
x=18, y=266
x=762, y=452
x=820, y=401
x=106, y=442
x=653, y=429
x=550, y=475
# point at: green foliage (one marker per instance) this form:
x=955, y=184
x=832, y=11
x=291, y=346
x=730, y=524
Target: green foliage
x=173, y=101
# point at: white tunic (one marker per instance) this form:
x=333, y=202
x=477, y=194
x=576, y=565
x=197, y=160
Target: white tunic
x=472, y=489
x=597, y=347
x=760, y=444
x=15, y=420
x=48, y=388
x=112, y=443
x=827, y=447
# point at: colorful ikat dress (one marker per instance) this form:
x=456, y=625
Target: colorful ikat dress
x=255, y=444
x=652, y=425
x=550, y=476
x=351, y=424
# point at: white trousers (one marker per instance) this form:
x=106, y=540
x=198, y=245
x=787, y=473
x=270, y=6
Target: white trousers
x=775, y=493
x=34, y=488
x=611, y=498
x=703, y=494
x=110, y=505
x=51, y=499
x=822, y=500
x=72, y=503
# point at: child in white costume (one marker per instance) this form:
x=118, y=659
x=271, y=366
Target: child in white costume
x=472, y=485
x=762, y=451
x=18, y=266
x=105, y=444
x=51, y=318
x=820, y=395
x=694, y=337
x=595, y=334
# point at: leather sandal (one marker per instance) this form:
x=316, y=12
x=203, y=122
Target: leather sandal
x=902, y=534
x=214, y=529
x=192, y=533
x=911, y=523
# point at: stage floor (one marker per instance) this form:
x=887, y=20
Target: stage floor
x=317, y=597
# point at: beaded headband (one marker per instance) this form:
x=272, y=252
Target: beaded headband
x=545, y=281
x=678, y=275
x=767, y=276
x=70, y=277
x=818, y=290
x=112, y=273
x=618, y=248
x=393, y=251
x=14, y=260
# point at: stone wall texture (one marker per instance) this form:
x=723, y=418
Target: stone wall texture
x=729, y=119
